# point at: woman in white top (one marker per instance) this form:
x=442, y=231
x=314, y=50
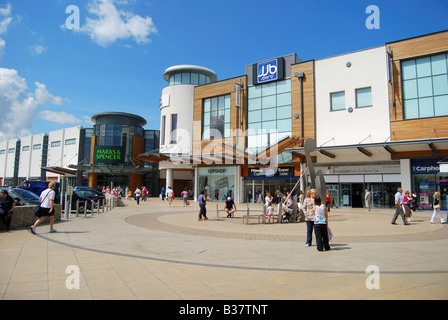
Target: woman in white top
x=320, y=225
x=436, y=207
x=308, y=205
x=46, y=207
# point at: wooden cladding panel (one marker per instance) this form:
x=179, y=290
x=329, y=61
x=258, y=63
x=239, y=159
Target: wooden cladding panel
x=418, y=129
x=419, y=46
x=309, y=130
x=415, y=129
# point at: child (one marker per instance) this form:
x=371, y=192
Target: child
x=320, y=225
x=269, y=212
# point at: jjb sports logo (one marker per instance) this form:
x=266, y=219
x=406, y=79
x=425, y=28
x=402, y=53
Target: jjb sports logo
x=268, y=71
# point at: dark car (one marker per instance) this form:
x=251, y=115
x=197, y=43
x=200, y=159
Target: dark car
x=85, y=197
x=90, y=192
x=37, y=186
x=23, y=197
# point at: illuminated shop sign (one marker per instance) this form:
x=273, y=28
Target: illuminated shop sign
x=272, y=172
x=271, y=70
x=108, y=155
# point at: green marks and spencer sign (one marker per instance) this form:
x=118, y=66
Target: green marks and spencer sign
x=108, y=155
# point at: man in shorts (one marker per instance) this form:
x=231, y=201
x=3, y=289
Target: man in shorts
x=46, y=207
x=230, y=207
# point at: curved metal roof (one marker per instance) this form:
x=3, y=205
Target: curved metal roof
x=119, y=114
x=190, y=68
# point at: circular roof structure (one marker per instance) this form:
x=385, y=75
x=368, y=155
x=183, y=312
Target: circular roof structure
x=190, y=68
x=123, y=116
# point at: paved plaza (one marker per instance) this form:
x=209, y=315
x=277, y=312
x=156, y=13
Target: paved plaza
x=155, y=252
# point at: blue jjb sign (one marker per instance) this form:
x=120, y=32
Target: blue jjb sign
x=267, y=71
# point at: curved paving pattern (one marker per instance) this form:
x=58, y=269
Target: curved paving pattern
x=226, y=258
x=184, y=223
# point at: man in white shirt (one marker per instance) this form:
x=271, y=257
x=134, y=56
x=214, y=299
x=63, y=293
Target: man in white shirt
x=46, y=207
x=169, y=195
x=399, y=207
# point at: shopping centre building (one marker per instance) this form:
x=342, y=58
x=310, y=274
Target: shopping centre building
x=378, y=116
x=105, y=155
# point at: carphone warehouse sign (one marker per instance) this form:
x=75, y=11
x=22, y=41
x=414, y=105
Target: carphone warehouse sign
x=267, y=71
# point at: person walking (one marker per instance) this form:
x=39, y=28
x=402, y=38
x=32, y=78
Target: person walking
x=399, y=207
x=436, y=207
x=137, y=194
x=202, y=202
x=184, y=195
x=407, y=205
x=321, y=225
x=308, y=205
x=46, y=208
x=7, y=205
x=368, y=199
x=169, y=195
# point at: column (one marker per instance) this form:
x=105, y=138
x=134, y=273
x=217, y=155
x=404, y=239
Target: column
x=169, y=178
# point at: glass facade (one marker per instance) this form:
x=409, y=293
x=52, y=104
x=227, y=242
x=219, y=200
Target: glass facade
x=189, y=78
x=425, y=87
x=218, y=181
x=216, y=117
x=269, y=117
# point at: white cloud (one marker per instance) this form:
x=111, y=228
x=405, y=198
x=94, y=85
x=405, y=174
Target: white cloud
x=37, y=50
x=5, y=20
x=18, y=106
x=60, y=117
x=44, y=97
x=111, y=24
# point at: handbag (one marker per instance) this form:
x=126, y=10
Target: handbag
x=330, y=234
x=36, y=209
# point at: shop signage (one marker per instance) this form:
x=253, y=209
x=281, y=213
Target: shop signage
x=443, y=168
x=271, y=70
x=108, y=155
x=424, y=167
x=272, y=172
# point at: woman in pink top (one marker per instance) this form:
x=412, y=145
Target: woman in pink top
x=406, y=203
x=184, y=195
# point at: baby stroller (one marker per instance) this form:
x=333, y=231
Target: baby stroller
x=287, y=215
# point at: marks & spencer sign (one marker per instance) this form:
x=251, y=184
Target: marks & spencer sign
x=268, y=71
x=108, y=155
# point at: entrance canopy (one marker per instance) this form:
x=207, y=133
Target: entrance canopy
x=393, y=150
x=61, y=171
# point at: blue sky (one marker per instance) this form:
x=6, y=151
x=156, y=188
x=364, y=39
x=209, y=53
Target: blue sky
x=52, y=77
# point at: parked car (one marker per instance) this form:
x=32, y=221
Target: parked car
x=37, y=186
x=93, y=190
x=90, y=194
x=83, y=201
x=23, y=197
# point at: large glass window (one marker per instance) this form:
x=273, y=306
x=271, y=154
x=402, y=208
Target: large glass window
x=174, y=128
x=216, y=122
x=425, y=87
x=269, y=107
x=189, y=78
x=269, y=117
